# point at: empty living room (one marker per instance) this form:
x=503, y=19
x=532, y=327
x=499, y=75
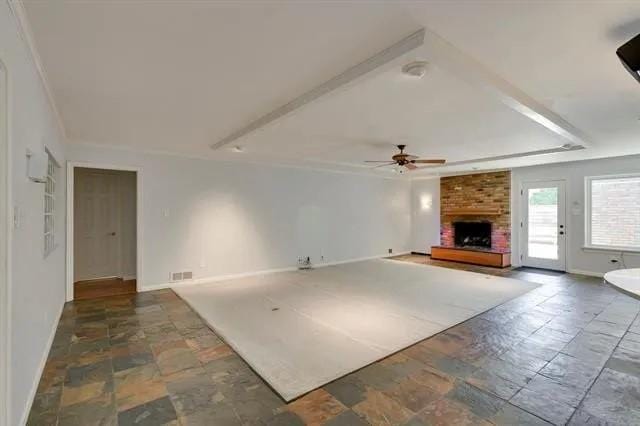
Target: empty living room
x=316, y=212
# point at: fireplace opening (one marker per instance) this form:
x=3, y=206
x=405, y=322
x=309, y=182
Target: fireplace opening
x=472, y=234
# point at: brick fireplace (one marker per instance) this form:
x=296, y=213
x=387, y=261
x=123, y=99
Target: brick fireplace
x=481, y=197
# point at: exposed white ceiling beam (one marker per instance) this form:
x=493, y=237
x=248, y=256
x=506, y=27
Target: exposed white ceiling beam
x=448, y=57
x=507, y=156
x=394, y=51
x=443, y=54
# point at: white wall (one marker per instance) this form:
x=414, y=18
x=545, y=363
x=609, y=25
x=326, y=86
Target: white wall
x=222, y=218
x=37, y=285
x=578, y=259
x=127, y=188
x=425, y=209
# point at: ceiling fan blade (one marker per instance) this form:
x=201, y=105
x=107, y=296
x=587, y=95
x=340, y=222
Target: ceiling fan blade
x=434, y=161
x=384, y=165
x=410, y=166
x=376, y=161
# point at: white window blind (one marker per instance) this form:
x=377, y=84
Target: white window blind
x=613, y=212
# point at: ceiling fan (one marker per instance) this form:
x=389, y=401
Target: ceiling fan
x=406, y=160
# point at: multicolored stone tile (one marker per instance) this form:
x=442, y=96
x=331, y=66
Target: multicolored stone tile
x=412, y=394
x=98, y=411
x=510, y=415
x=90, y=373
x=445, y=412
x=138, y=385
x=44, y=410
x=317, y=407
x=494, y=384
x=149, y=359
x=378, y=409
x=479, y=402
x=615, y=397
x=174, y=356
x=434, y=379
x=349, y=390
x=543, y=406
x=156, y=412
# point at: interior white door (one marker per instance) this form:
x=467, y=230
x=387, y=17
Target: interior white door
x=96, y=224
x=543, y=225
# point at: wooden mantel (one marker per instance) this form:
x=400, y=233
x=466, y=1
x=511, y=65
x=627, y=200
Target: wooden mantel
x=472, y=212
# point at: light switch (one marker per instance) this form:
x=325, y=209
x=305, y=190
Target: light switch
x=17, y=217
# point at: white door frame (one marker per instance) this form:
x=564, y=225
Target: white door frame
x=5, y=250
x=71, y=165
x=523, y=209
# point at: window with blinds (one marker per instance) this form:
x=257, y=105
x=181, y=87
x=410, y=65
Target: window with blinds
x=613, y=212
x=50, y=207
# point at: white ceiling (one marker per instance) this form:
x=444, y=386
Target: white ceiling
x=180, y=76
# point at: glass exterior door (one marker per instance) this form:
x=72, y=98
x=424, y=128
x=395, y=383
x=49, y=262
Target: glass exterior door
x=543, y=225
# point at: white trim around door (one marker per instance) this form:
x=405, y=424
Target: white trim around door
x=71, y=165
x=546, y=246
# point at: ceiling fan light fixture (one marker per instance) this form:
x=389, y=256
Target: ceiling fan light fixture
x=415, y=69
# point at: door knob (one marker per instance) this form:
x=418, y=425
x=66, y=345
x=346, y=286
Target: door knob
x=561, y=232
x=112, y=234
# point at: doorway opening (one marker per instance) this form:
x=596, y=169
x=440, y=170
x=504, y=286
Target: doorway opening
x=543, y=225
x=105, y=232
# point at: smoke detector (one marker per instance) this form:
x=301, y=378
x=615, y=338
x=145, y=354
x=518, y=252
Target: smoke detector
x=415, y=69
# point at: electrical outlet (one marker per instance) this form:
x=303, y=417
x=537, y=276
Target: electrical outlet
x=304, y=262
x=390, y=251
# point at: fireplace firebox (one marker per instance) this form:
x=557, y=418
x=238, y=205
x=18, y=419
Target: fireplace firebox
x=472, y=234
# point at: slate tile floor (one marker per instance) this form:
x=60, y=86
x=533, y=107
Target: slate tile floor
x=565, y=353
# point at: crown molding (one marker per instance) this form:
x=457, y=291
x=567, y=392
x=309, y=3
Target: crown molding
x=314, y=165
x=24, y=30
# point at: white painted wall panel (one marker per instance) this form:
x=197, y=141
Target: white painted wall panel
x=425, y=208
x=219, y=218
x=578, y=259
x=37, y=285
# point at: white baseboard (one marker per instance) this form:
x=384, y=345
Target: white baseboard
x=128, y=277
x=43, y=362
x=359, y=259
x=588, y=273
x=214, y=279
x=218, y=278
